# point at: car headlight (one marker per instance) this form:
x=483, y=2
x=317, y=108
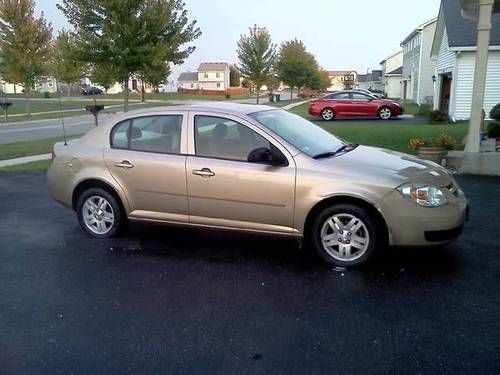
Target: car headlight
x=423, y=195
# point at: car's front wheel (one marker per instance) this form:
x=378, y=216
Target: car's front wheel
x=99, y=213
x=344, y=235
x=327, y=114
x=385, y=113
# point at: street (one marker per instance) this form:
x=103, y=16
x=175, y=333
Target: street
x=171, y=300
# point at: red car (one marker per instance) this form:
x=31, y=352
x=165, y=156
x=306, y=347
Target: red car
x=354, y=104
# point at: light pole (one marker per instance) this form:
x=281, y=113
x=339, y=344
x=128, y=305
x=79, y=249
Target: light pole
x=470, y=9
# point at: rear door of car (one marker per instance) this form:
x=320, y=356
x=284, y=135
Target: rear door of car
x=226, y=190
x=147, y=156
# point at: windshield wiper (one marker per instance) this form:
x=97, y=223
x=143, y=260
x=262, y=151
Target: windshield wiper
x=329, y=154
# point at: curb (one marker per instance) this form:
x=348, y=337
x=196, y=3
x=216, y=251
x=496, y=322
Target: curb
x=24, y=160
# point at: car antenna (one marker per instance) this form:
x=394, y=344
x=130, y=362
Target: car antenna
x=62, y=119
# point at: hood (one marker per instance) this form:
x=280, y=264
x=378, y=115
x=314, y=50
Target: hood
x=394, y=168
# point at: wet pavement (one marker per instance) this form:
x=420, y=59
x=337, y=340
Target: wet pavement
x=170, y=300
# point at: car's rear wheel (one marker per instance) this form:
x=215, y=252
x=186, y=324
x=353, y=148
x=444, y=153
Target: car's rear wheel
x=327, y=114
x=99, y=213
x=344, y=235
x=385, y=113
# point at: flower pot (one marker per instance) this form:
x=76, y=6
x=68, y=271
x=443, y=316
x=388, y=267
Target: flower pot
x=434, y=154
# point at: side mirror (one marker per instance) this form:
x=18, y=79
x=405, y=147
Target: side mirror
x=267, y=156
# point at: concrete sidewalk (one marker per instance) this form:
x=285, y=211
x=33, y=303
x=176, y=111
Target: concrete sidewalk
x=24, y=160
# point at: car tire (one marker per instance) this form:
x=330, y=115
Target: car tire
x=385, y=113
x=328, y=114
x=99, y=213
x=344, y=235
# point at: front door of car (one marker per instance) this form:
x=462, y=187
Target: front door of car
x=341, y=103
x=361, y=105
x=146, y=156
x=225, y=190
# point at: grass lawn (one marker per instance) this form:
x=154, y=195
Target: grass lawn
x=36, y=166
x=20, y=149
x=387, y=134
x=411, y=108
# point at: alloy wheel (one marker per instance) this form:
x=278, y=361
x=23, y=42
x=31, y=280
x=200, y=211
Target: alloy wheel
x=345, y=237
x=98, y=215
x=327, y=114
x=385, y=113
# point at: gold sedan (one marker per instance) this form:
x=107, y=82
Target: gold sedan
x=256, y=169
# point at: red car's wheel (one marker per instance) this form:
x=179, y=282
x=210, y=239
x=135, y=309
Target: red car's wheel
x=385, y=113
x=327, y=114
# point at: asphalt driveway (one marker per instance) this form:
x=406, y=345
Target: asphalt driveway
x=172, y=300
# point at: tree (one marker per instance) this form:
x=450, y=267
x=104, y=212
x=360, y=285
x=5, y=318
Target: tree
x=103, y=75
x=256, y=54
x=25, y=45
x=320, y=80
x=131, y=35
x=272, y=83
x=234, y=76
x=64, y=66
x=295, y=66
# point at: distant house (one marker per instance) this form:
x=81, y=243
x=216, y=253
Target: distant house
x=418, y=68
x=342, y=80
x=48, y=84
x=371, y=81
x=209, y=77
x=454, y=50
x=392, y=70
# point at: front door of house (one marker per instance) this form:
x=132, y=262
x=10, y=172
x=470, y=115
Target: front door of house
x=444, y=99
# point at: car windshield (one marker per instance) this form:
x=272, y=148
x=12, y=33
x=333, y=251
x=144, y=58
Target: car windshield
x=300, y=133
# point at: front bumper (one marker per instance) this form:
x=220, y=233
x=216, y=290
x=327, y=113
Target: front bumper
x=413, y=225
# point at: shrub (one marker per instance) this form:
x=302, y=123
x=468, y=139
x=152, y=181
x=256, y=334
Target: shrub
x=438, y=116
x=424, y=110
x=228, y=96
x=444, y=141
x=46, y=95
x=494, y=130
x=495, y=112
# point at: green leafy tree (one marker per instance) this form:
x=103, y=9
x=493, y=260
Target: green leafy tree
x=64, y=65
x=256, y=54
x=131, y=35
x=104, y=75
x=153, y=74
x=25, y=45
x=319, y=80
x=272, y=83
x=295, y=66
x=234, y=76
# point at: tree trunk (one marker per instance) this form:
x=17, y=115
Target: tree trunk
x=69, y=88
x=126, y=94
x=291, y=92
x=15, y=88
x=143, y=91
x=27, y=98
x=258, y=93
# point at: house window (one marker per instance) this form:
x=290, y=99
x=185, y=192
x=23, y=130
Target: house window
x=218, y=85
x=217, y=75
x=192, y=85
x=206, y=75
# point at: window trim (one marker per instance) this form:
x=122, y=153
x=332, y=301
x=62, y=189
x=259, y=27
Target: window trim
x=129, y=131
x=225, y=116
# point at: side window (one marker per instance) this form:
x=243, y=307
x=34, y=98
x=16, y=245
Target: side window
x=119, y=135
x=151, y=134
x=341, y=95
x=359, y=96
x=219, y=137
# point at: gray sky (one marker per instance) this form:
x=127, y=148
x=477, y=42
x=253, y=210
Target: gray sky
x=342, y=34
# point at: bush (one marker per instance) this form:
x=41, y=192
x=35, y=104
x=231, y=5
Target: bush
x=228, y=96
x=495, y=112
x=438, y=116
x=494, y=130
x=46, y=95
x=424, y=110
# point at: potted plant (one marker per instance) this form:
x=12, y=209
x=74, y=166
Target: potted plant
x=432, y=148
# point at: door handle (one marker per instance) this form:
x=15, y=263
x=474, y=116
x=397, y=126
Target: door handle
x=124, y=164
x=205, y=172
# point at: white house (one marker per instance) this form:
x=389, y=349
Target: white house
x=371, y=80
x=210, y=76
x=454, y=49
x=392, y=70
x=418, y=67
x=48, y=84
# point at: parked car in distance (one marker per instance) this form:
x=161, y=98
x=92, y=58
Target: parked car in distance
x=354, y=104
x=91, y=90
x=372, y=93
x=255, y=169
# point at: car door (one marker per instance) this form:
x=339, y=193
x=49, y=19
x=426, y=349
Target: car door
x=225, y=190
x=362, y=105
x=340, y=102
x=147, y=157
